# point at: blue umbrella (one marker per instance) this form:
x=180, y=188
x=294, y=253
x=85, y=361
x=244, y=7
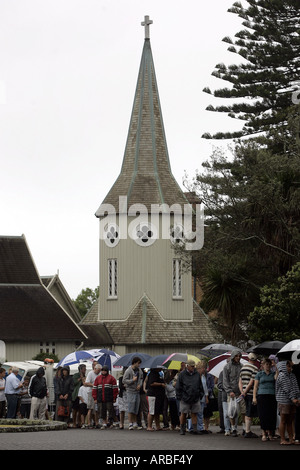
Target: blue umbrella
x=106, y=357
x=126, y=359
x=75, y=357
x=155, y=362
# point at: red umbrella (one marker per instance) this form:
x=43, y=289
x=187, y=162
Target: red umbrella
x=216, y=365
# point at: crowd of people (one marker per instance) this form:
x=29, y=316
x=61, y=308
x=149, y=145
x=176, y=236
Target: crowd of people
x=159, y=399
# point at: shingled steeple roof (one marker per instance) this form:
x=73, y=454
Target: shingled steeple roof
x=146, y=177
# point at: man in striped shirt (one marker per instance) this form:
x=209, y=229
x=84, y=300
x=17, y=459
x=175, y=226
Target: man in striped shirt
x=246, y=383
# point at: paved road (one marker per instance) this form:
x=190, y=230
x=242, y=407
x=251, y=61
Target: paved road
x=120, y=440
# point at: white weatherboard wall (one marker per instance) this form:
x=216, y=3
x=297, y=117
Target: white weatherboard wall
x=143, y=270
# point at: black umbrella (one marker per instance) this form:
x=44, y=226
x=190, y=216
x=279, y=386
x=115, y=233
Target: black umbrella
x=126, y=359
x=267, y=347
x=216, y=349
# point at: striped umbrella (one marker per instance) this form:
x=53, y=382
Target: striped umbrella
x=106, y=357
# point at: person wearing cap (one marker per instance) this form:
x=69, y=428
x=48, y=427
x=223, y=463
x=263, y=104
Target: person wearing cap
x=246, y=382
x=105, y=392
x=189, y=391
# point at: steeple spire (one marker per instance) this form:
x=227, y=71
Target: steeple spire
x=146, y=176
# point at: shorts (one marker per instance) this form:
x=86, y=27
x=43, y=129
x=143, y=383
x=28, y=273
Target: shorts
x=133, y=402
x=190, y=407
x=156, y=406
x=83, y=409
x=91, y=405
x=75, y=404
x=251, y=410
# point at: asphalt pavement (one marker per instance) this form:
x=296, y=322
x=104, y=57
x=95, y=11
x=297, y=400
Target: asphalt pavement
x=115, y=443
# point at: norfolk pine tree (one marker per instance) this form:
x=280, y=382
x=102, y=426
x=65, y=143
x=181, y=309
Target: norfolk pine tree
x=263, y=83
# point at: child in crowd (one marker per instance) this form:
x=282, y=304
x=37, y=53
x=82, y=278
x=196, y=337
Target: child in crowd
x=25, y=405
x=83, y=401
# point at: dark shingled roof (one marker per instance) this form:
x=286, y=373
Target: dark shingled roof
x=16, y=265
x=145, y=325
x=31, y=313
x=28, y=312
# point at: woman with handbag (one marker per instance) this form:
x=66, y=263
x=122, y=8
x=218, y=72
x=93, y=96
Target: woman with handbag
x=65, y=389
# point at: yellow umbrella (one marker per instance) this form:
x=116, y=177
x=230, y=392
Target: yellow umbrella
x=175, y=359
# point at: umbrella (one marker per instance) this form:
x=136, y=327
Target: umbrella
x=267, y=347
x=76, y=356
x=173, y=361
x=126, y=359
x=288, y=349
x=106, y=357
x=215, y=349
x=155, y=362
x=216, y=364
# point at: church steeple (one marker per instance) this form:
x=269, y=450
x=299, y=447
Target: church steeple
x=146, y=177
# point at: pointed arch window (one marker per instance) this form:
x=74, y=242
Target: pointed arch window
x=112, y=278
x=177, y=281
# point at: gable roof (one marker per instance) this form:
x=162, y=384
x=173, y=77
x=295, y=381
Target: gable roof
x=145, y=325
x=16, y=264
x=57, y=289
x=28, y=311
x=146, y=177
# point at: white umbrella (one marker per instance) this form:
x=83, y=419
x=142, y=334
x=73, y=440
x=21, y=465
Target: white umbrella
x=290, y=351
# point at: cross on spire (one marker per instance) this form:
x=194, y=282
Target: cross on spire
x=146, y=23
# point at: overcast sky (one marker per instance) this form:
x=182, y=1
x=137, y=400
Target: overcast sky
x=68, y=71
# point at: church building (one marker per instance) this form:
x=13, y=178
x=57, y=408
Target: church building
x=145, y=297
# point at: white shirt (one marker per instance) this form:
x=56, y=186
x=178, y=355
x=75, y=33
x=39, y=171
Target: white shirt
x=11, y=384
x=91, y=377
x=83, y=393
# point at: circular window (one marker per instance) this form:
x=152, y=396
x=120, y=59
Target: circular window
x=177, y=235
x=145, y=234
x=111, y=235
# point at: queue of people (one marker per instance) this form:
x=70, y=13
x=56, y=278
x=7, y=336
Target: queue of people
x=268, y=391
x=185, y=399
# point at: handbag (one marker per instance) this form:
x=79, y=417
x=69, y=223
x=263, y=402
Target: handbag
x=63, y=410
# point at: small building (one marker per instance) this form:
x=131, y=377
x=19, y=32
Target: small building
x=35, y=315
